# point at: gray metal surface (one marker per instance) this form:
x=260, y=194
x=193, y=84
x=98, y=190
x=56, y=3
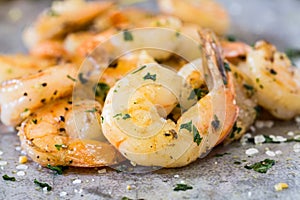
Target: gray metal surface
x=212, y=177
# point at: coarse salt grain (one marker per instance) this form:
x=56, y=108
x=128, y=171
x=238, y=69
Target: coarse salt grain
x=270, y=153
x=264, y=124
x=297, y=119
x=176, y=176
x=62, y=194
x=278, y=138
x=290, y=133
x=2, y=163
x=101, y=171
x=22, y=167
x=278, y=152
x=78, y=191
x=251, y=151
x=77, y=181
x=20, y=173
x=259, y=124
x=259, y=139
x=18, y=148
x=296, y=148
x=1, y=153
x=297, y=137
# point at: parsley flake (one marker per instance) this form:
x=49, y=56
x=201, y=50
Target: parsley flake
x=150, y=77
x=57, y=169
x=126, y=116
x=42, y=185
x=182, y=187
x=71, y=78
x=187, y=126
x=127, y=35
x=101, y=90
x=8, y=178
x=140, y=69
x=197, y=137
x=262, y=166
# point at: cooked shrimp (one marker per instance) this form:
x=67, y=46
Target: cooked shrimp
x=14, y=66
x=139, y=129
x=49, y=49
x=63, y=17
x=70, y=135
x=273, y=78
x=206, y=13
x=20, y=97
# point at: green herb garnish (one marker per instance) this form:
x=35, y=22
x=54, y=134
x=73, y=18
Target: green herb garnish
x=126, y=116
x=187, y=126
x=52, y=13
x=293, y=53
x=42, y=185
x=101, y=90
x=82, y=79
x=127, y=35
x=182, y=187
x=231, y=38
x=150, y=77
x=71, y=78
x=58, y=169
x=92, y=110
x=140, y=69
x=227, y=67
x=197, y=137
x=216, y=122
x=262, y=166
x=235, y=130
x=199, y=92
x=218, y=155
x=8, y=178
x=126, y=198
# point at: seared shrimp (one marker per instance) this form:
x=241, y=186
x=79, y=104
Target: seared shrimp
x=63, y=17
x=206, y=13
x=274, y=80
x=52, y=135
x=140, y=130
x=14, y=66
x=20, y=97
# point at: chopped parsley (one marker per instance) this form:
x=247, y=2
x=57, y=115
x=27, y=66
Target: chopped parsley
x=118, y=115
x=126, y=198
x=59, y=146
x=231, y=38
x=199, y=92
x=227, y=67
x=197, y=137
x=182, y=187
x=216, y=122
x=52, y=13
x=293, y=53
x=150, y=77
x=71, y=78
x=249, y=88
x=126, y=116
x=26, y=110
x=102, y=119
x=262, y=166
x=82, y=79
x=127, y=35
x=92, y=110
x=58, y=169
x=177, y=34
x=101, y=90
x=218, y=155
x=235, y=130
x=8, y=178
x=237, y=162
x=140, y=69
x=187, y=126
x=42, y=185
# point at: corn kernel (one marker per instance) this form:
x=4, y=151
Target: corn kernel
x=22, y=159
x=281, y=186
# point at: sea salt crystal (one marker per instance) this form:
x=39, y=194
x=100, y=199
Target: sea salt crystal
x=252, y=129
x=264, y=124
x=62, y=194
x=297, y=137
x=270, y=153
x=278, y=152
x=259, y=139
x=297, y=119
x=176, y=176
x=296, y=148
x=102, y=171
x=77, y=181
x=3, y=163
x=22, y=167
x=1, y=153
x=78, y=191
x=251, y=151
x=20, y=173
x=290, y=133
x=18, y=148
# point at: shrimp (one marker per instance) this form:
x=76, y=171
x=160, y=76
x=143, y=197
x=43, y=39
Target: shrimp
x=274, y=80
x=207, y=14
x=49, y=49
x=142, y=133
x=14, y=66
x=20, y=97
x=63, y=17
x=69, y=135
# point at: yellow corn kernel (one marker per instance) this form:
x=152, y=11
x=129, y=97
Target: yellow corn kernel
x=23, y=159
x=281, y=186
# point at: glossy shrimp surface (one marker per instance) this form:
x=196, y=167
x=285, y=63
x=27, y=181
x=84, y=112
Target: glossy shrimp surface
x=69, y=135
x=176, y=143
x=63, y=17
x=273, y=78
x=20, y=96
